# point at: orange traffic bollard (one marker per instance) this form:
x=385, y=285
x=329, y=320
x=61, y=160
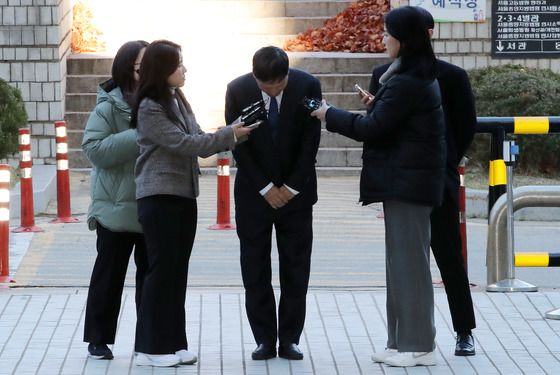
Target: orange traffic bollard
x=62, y=176
x=26, y=184
x=5, y=224
x=223, y=216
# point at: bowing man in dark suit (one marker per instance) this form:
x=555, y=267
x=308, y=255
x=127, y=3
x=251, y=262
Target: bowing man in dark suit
x=275, y=186
x=460, y=123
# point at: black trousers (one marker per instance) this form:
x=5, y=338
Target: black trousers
x=107, y=281
x=169, y=224
x=446, y=246
x=294, y=237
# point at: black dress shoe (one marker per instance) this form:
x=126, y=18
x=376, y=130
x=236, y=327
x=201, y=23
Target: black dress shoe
x=99, y=351
x=263, y=351
x=289, y=351
x=465, y=345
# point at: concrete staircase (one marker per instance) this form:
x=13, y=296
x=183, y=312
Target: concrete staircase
x=262, y=23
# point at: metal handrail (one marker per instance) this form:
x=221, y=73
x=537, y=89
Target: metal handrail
x=500, y=261
x=499, y=127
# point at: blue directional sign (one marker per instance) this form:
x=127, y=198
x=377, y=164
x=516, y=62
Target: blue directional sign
x=525, y=28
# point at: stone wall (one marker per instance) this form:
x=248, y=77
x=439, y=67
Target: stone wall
x=34, y=44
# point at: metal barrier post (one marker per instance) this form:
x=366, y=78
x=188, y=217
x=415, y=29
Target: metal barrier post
x=496, y=248
x=498, y=127
x=510, y=283
x=497, y=171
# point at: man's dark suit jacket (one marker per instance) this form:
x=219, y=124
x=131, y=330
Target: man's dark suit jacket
x=460, y=116
x=291, y=158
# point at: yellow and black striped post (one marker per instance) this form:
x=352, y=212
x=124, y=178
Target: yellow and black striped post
x=497, y=177
x=499, y=127
x=537, y=259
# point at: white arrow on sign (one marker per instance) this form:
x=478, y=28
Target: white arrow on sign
x=500, y=46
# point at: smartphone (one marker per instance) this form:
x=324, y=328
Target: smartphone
x=254, y=124
x=361, y=90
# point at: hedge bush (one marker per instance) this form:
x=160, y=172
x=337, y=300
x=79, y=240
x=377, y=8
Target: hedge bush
x=513, y=90
x=12, y=117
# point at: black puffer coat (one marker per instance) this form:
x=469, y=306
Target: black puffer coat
x=404, y=141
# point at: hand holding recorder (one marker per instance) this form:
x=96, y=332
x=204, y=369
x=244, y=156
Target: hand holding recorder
x=241, y=130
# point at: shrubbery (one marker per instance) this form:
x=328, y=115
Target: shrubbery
x=513, y=90
x=12, y=117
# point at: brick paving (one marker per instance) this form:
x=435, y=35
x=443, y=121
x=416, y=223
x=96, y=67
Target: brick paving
x=41, y=320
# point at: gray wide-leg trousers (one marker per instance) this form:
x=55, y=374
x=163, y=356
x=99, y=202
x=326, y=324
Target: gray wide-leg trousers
x=410, y=294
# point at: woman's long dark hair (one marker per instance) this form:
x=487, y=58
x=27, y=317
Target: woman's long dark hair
x=122, y=71
x=160, y=60
x=408, y=26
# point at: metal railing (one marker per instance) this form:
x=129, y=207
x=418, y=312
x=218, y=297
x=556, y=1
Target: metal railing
x=500, y=253
x=499, y=127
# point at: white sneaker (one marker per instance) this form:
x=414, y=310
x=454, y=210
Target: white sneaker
x=382, y=356
x=157, y=360
x=408, y=359
x=187, y=358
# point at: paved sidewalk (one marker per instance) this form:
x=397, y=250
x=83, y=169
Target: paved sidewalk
x=41, y=320
x=41, y=333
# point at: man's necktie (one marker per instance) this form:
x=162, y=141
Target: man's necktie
x=273, y=117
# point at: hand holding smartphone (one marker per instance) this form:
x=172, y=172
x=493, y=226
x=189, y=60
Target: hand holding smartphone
x=362, y=92
x=311, y=103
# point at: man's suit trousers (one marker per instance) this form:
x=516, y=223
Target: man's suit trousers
x=446, y=246
x=294, y=237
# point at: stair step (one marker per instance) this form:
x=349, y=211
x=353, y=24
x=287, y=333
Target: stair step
x=89, y=64
x=329, y=62
x=339, y=171
x=339, y=157
x=256, y=24
x=349, y=101
x=330, y=142
x=315, y=8
x=74, y=138
x=251, y=42
x=76, y=120
x=289, y=8
x=80, y=102
x=326, y=158
x=312, y=62
x=77, y=159
x=340, y=82
x=334, y=140
x=276, y=25
x=76, y=84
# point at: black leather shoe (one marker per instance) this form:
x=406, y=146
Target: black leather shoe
x=99, y=351
x=289, y=351
x=465, y=345
x=263, y=351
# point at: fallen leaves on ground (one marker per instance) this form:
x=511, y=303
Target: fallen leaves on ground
x=85, y=36
x=359, y=28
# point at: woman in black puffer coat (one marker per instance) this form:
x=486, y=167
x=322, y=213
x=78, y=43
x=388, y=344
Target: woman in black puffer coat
x=403, y=166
